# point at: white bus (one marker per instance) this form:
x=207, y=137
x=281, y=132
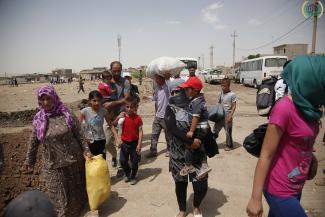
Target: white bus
x=254, y=71
x=189, y=62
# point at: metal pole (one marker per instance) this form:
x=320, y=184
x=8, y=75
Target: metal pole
x=119, y=39
x=203, y=61
x=211, y=57
x=313, y=45
x=233, y=49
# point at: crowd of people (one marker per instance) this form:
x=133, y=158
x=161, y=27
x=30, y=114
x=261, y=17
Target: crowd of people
x=111, y=123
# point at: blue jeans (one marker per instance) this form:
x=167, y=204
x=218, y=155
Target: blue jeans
x=284, y=206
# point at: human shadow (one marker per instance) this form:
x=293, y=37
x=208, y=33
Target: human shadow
x=223, y=145
x=146, y=140
x=113, y=204
x=141, y=175
x=146, y=160
x=213, y=200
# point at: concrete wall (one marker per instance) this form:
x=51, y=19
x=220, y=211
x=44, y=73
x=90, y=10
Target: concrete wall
x=291, y=50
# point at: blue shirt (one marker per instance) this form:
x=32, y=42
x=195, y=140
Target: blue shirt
x=161, y=96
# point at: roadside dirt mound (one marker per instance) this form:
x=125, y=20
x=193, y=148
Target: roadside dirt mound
x=16, y=119
x=12, y=156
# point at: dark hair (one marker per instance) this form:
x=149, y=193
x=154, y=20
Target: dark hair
x=133, y=100
x=115, y=62
x=106, y=73
x=95, y=93
x=226, y=80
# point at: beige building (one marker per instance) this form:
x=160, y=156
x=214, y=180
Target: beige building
x=290, y=50
x=94, y=73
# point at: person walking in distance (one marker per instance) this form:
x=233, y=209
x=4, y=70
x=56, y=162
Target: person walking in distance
x=81, y=85
x=161, y=97
x=228, y=99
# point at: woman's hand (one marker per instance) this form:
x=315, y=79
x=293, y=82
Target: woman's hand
x=254, y=208
x=88, y=155
x=196, y=144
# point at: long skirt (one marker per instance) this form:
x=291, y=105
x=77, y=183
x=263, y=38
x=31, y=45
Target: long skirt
x=66, y=189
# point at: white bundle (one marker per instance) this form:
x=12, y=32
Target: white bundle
x=165, y=66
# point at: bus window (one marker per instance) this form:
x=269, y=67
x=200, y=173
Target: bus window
x=275, y=62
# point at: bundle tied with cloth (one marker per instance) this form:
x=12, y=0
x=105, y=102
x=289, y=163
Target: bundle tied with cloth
x=165, y=67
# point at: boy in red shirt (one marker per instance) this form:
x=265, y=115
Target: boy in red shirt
x=131, y=139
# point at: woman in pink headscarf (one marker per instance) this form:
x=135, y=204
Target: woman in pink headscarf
x=64, y=149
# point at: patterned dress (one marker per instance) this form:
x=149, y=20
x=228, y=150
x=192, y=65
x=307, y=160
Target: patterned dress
x=63, y=169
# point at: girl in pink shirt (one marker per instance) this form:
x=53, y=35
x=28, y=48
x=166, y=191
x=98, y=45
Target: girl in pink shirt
x=286, y=157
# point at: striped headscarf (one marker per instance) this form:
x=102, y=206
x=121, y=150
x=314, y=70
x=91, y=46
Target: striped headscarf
x=41, y=118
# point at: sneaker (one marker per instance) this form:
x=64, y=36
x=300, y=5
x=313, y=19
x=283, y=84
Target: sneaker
x=187, y=170
x=151, y=155
x=119, y=173
x=114, y=162
x=127, y=179
x=205, y=169
x=133, y=181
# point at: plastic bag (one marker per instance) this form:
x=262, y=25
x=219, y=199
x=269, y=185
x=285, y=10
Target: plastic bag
x=164, y=66
x=97, y=181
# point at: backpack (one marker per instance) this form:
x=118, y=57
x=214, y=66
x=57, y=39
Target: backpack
x=253, y=142
x=265, y=97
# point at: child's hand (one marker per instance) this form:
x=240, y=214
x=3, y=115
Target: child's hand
x=121, y=115
x=196, y=144
x=118, y=142
x=138, y=149
x=189, y=134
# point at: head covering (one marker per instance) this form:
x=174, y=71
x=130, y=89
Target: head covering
x=193, y=82
x=30, y=204
x=305, y=76
x=126, y=74
x=40, y=121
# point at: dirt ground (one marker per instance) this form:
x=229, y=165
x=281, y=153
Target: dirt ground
x=230, y=181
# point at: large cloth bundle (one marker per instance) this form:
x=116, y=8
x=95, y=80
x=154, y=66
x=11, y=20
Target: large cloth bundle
x=97, y=181
x=165, y=66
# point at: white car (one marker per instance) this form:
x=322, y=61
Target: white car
x=214, y=76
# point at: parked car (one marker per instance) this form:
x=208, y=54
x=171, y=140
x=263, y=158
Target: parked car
x=214, y=76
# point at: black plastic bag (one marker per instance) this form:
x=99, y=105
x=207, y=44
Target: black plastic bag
x=253, y=142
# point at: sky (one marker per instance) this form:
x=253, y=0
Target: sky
x=37, y=36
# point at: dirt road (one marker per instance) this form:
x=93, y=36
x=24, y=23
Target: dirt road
x=229, y=182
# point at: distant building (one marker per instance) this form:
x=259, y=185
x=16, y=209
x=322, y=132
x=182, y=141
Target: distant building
x=94, y=73
x=290, y=50
x=62, y=73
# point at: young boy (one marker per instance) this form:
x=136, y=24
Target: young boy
x=228, y=100
x=106, y=88
x=131, y=139
x=199, y=128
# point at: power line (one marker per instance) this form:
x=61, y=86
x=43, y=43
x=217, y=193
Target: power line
x=279, y=38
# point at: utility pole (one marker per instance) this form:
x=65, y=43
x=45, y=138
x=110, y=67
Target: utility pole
x=119, y=41
x=313, y=45
x=233, y=49
x=198, y=63
x=203, y=60
x=211, y=57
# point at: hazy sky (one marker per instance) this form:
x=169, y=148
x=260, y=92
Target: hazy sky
x=40, y=35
